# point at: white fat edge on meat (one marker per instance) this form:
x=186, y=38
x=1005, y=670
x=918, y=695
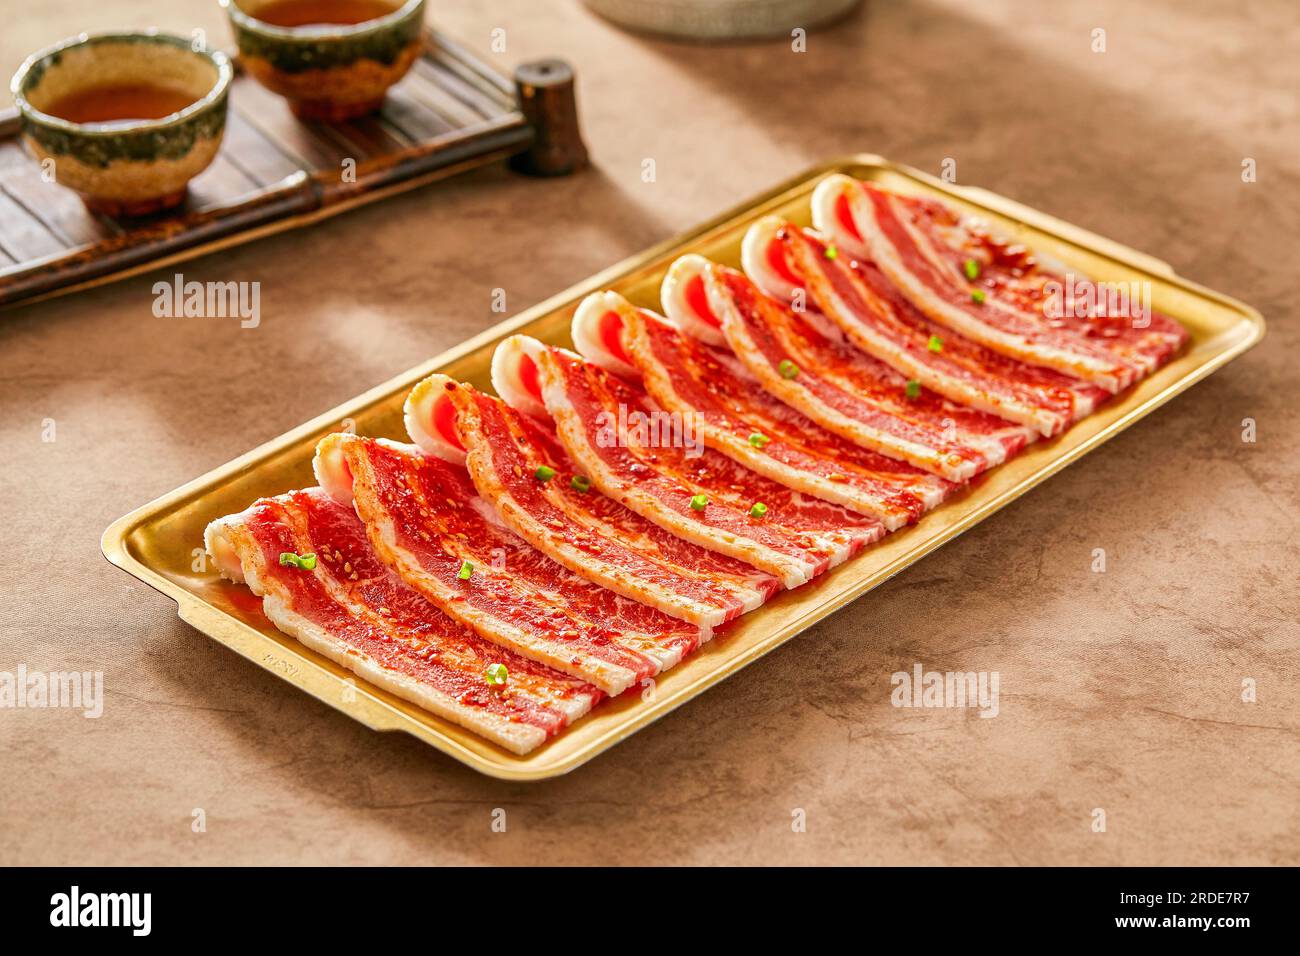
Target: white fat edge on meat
x=677, y=307
x=418, y=413
x=223, y=549
x=556, y=393
x=508, y=381
x=824, y=200
x=334, y=478
x=488, y=513
x=825, y=328
x=331, y=468
x=907, y=364
x=585, y=331
x=753, y=256
x=738, y=370
x=420, y=405
x=754, y=259
x=960, y=320
x=735, y=367
x=505, y=371
x=224, y=554
x=557, y=400
x=825, y=220
x=327, y=459
x=507, y=378
x=517, y=737
x=508, y=384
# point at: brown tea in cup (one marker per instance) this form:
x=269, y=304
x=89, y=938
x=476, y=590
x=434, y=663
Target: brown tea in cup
x=303, y=13
x=120, y=103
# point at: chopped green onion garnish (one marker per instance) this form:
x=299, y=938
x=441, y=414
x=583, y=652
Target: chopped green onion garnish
x=466, y=569
x=972, y=268
x=831, y=252
x=496, y=674
x=935, y=344
x=306, y=561
x=787, y=369
x=544, y=473
x=699, y=502
x=977, y=295
x=580, y=484
x=758, y=439
x=758, y=510
x=913, y=388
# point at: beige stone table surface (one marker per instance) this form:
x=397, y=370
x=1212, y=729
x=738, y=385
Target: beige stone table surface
x=1120, y=691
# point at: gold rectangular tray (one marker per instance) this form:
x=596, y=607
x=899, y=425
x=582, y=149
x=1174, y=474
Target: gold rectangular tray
x=156, y=543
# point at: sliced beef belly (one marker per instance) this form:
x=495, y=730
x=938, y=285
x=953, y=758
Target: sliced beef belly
x=528, y=554
x=802, y=359
x=426, y=521
x=752, y=427
x=959, y=274
x=669, y=476
x=857, y=297
x=517, y=465
x=352, y=609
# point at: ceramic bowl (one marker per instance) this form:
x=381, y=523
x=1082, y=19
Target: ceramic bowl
x=134, y=167
x=328, y=72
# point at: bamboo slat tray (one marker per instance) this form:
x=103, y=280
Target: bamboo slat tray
x=274, y=172
x=156, y=542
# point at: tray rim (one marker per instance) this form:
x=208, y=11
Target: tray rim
x=208, y=619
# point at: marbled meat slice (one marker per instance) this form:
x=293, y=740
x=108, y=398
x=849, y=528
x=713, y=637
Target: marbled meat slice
x=517, y=465
x=863, y=302
x=352, y=609
x=958, y=273
x=426, y=521
x=659, y=466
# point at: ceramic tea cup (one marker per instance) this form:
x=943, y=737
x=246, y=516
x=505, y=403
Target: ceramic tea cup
x=125, y=119
x=331, y=59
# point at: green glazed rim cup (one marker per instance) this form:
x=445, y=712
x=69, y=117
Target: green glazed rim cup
x=132, y=167
x=330, y=72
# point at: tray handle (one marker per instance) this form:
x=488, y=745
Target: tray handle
x=1075, y=234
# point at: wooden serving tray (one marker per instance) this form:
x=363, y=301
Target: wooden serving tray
x=275, y=172
x=156, y=542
